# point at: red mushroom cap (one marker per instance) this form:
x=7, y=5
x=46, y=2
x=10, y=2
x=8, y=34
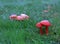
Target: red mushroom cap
x=38, y=25
x=13, y=16
x=45, y=23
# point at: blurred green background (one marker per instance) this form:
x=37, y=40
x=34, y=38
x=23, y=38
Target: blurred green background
x=25, y=32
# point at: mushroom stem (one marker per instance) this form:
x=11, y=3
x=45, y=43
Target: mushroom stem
x=46, y=30
x=41, y=31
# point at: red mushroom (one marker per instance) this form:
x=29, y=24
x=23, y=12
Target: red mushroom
x=45, y=23
x=13, y=16
x=19, y=18
x=24, y=16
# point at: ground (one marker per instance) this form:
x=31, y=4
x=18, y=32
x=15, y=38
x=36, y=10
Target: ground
x=26, y=32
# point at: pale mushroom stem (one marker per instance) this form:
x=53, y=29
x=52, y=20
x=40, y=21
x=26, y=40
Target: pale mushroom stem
x=41, y=31
x=46, y=30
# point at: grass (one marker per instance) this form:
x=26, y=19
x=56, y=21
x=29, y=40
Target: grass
x=25, y=32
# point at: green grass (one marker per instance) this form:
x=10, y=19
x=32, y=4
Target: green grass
x=25, y=32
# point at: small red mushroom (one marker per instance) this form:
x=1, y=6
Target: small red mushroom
x=13, y=16
x=24, y=16
x=19, y=18
x=45, y=23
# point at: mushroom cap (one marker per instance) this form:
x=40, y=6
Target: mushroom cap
x=19, y=18
x=38, y=25
x=13, y=16
x=45, y=23
x=25, y=16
